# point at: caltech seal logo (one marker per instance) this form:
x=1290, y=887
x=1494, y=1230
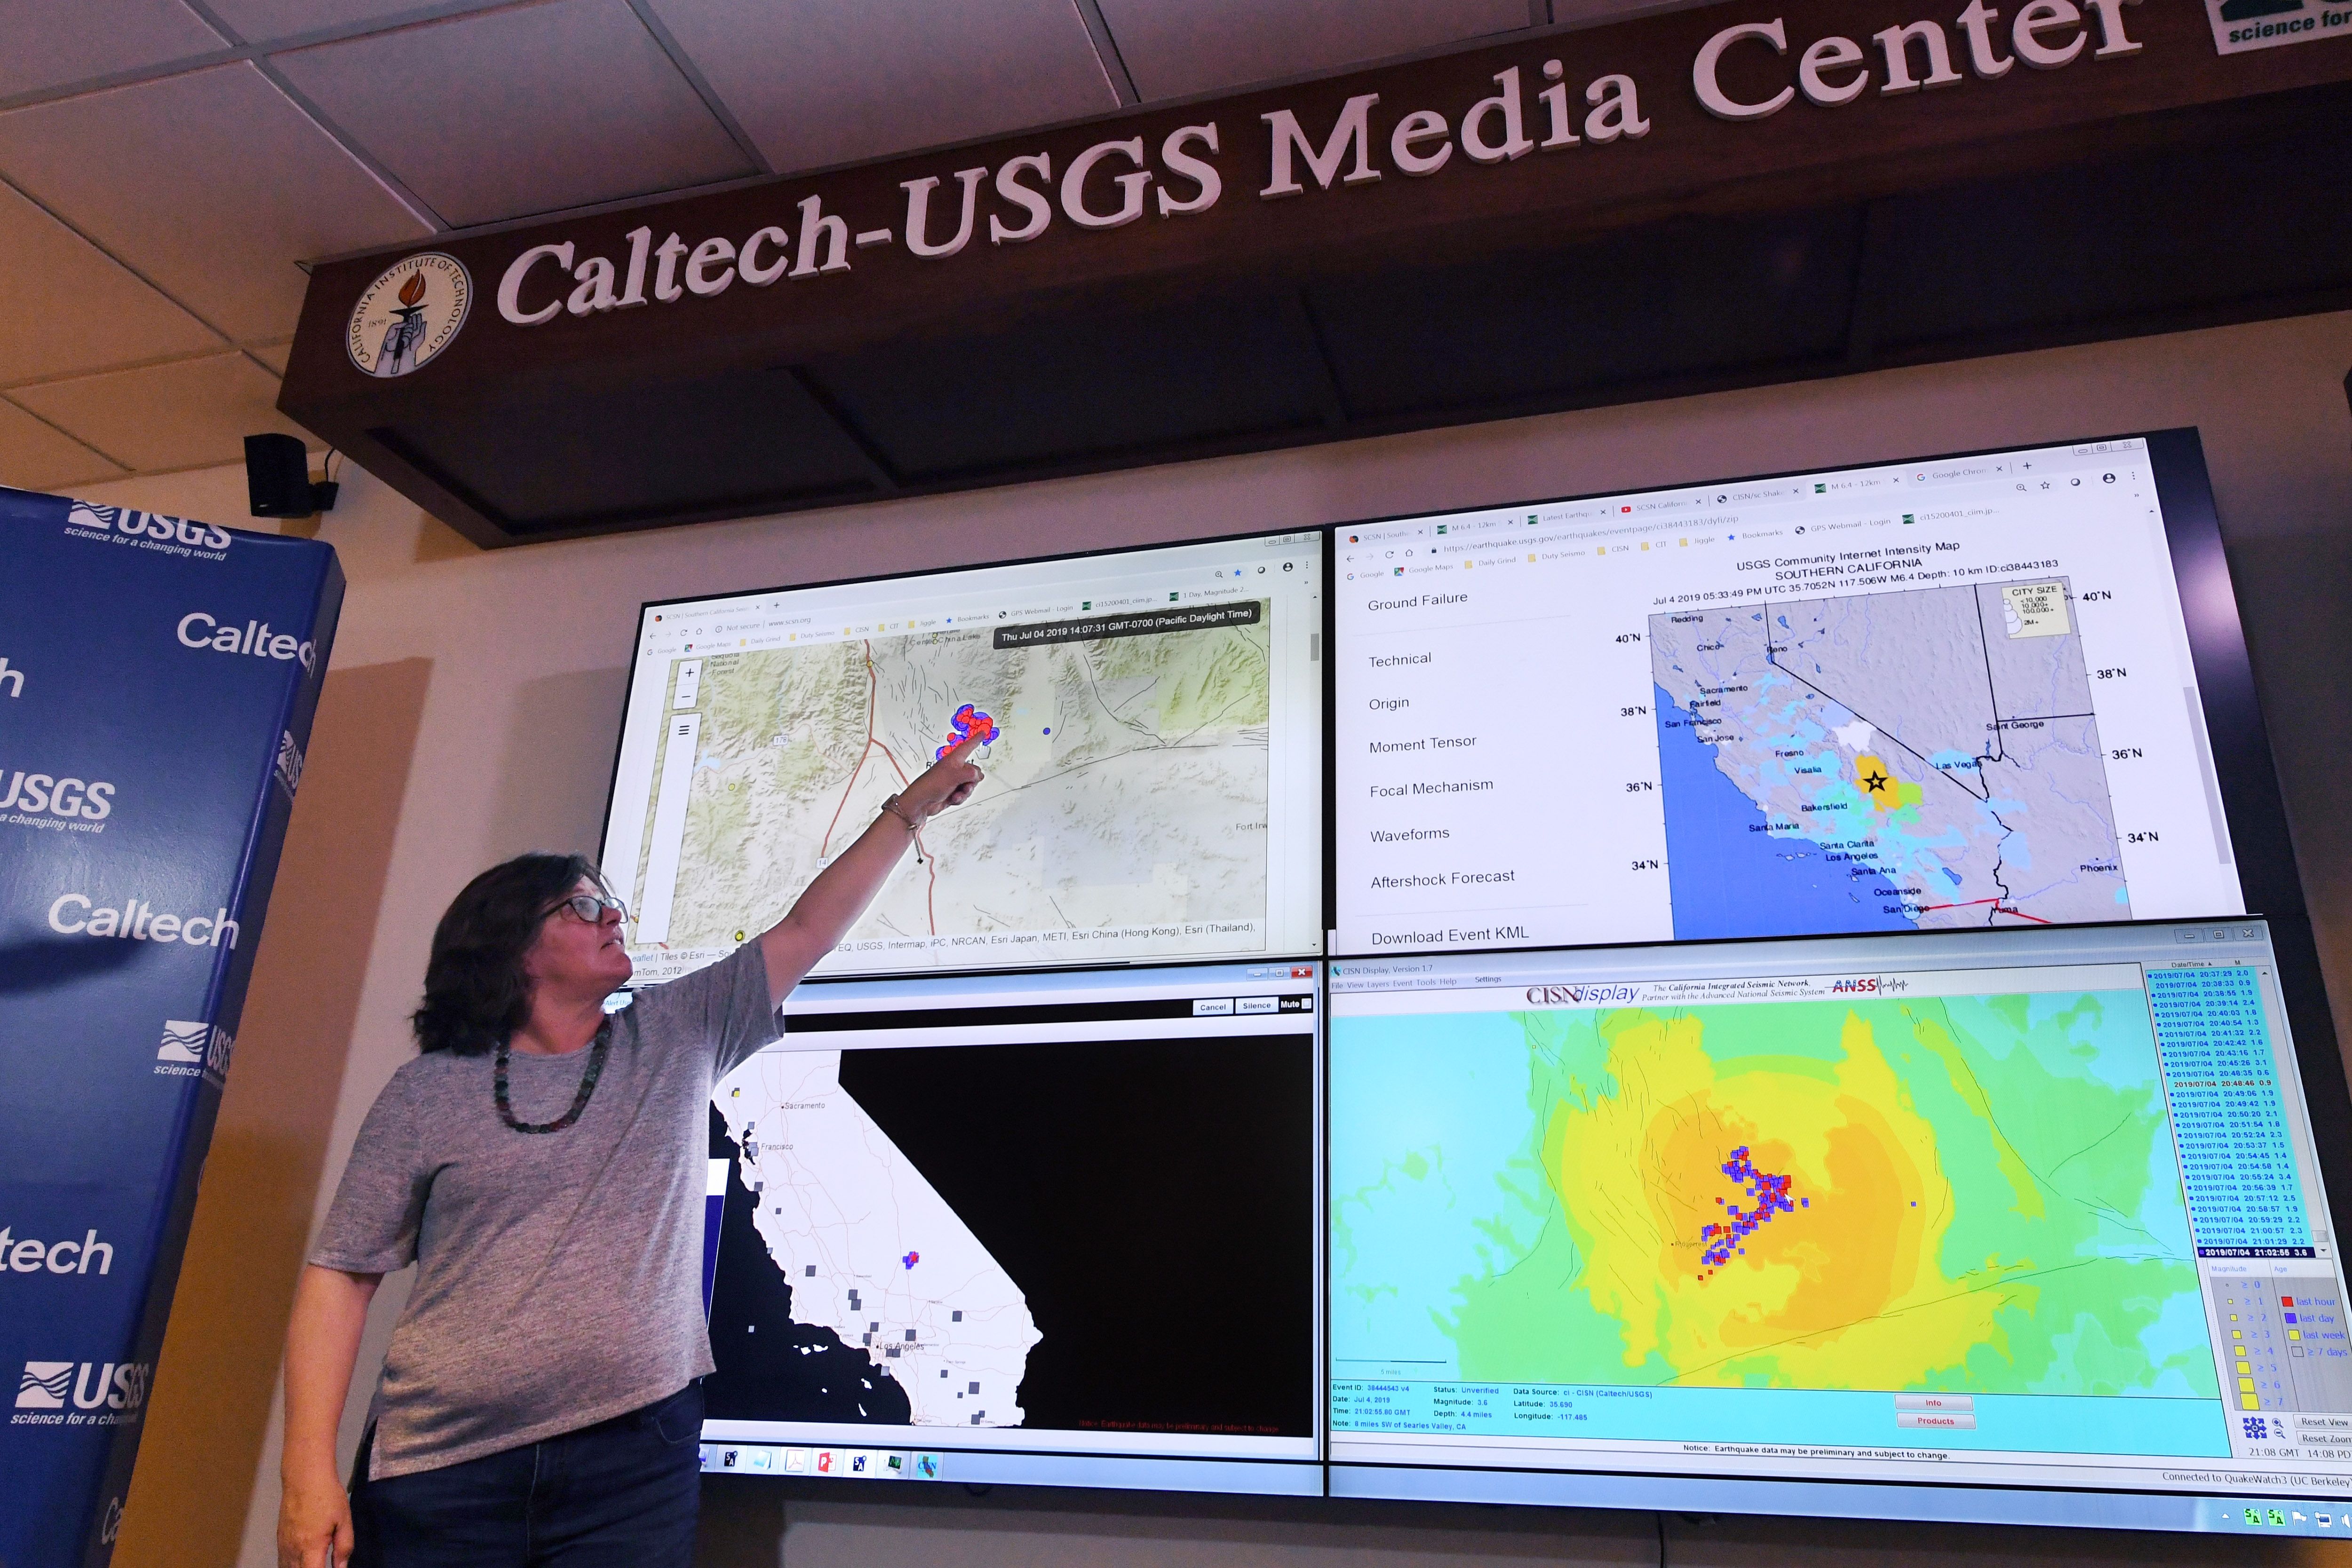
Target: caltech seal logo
x=409, y=314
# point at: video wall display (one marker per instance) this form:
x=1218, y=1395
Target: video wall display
x=1777, y=994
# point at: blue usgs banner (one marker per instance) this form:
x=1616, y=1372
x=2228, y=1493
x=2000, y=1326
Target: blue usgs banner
x=157, y=682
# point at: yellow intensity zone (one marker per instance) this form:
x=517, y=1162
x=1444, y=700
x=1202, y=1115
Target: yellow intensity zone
x=1841, y=1291
x=1874, y=779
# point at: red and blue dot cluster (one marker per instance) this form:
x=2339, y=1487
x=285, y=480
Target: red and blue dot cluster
x=1771, y=1195
x=969, y=721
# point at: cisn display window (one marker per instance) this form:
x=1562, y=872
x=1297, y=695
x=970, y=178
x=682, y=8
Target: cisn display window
x=1049, y=1229
x=2016, y=1209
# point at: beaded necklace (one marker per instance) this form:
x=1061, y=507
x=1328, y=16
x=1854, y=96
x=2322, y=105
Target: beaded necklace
x=596, y=1055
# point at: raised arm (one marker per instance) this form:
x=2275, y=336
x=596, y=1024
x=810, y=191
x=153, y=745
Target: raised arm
x=314, y=1516
x=833, y=903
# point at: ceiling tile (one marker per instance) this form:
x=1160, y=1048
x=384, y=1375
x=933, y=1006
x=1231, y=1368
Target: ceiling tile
x=1175, y=47
x=495, y=116
x=816, y=82
x=264, y=21
x=211, y=183
x=181, y=415
x=35, y=457
x=71, y=309
x=48, y=43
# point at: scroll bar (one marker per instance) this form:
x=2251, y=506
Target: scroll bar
x=685, y=730
x=2205, y=768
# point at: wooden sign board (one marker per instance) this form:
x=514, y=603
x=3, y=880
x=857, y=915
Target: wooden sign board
x=1733, y=193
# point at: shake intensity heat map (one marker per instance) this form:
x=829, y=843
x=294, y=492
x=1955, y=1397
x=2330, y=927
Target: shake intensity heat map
x=1632, y=1222
x=1125, y=800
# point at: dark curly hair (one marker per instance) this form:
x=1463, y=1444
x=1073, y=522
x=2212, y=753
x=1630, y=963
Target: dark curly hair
x=475, y=991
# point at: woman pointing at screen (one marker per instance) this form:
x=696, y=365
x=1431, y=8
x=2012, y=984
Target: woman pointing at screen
x=542, y=1163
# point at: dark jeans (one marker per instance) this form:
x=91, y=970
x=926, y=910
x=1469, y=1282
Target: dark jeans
x=620, y=1494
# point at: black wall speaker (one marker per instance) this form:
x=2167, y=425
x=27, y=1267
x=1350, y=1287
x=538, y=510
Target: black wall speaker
x=277, y=478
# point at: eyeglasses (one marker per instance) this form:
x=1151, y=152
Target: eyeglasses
x=590, y=907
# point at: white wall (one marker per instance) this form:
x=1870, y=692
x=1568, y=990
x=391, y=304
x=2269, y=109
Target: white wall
x=471, y=710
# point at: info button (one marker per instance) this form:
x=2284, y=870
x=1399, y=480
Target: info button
x=1935, y=1402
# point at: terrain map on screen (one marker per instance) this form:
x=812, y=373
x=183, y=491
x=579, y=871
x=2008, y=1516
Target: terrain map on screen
x=1125, y=795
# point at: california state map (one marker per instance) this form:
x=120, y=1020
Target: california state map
x=1934, y=751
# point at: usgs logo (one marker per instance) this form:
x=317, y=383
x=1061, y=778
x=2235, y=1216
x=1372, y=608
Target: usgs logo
x=254, y=639
x=136, y=524
x=57, y=796
x=192, y=1047
x=92, y=1384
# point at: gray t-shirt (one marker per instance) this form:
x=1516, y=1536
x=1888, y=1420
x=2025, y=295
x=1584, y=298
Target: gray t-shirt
x=559, y=1278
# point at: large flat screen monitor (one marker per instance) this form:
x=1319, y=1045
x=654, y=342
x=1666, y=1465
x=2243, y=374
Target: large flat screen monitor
x=1816, y=967
x=1053, y=1229
x=1916, y=696
x=2021, y=1225
x=1152, y=729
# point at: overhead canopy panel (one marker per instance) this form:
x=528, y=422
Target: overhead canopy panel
x=1667, y=206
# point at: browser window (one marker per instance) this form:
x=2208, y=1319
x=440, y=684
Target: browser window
x=1908, y=696
x=1149, y=724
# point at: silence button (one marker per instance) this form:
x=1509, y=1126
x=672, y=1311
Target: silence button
x=1935, y=1402
x=1960, y=1421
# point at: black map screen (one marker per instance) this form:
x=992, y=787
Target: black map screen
x=1153, y=1201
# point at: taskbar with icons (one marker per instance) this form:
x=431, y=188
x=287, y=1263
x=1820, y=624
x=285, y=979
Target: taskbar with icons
x=1117, y=1472
x=2202, y=1515
x=2239, y=1516
x=847, y=1464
